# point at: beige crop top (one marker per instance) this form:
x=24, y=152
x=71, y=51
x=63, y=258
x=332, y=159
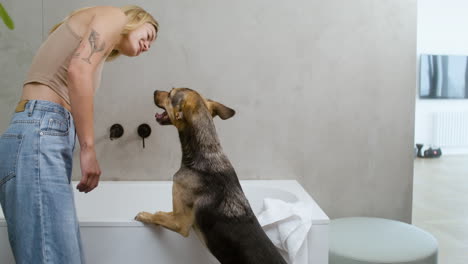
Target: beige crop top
x=50, y=65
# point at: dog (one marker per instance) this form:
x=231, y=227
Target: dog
x=206, y=193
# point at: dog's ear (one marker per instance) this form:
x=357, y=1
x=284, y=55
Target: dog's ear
x=220, y=110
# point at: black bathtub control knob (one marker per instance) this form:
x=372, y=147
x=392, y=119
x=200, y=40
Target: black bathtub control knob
x=116, y=131
x=144, y=130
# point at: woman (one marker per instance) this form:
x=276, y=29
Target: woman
x=36, y=151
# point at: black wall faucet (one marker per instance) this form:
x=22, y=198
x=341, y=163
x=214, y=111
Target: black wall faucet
x=144, y=130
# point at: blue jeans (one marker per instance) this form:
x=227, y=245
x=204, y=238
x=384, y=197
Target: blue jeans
x=36, y=154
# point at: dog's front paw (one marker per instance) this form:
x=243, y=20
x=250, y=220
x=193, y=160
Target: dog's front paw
x=144, y=217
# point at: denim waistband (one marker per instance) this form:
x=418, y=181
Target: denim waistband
x=47, y=106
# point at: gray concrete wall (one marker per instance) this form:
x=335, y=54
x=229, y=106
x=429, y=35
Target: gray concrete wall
x=17, y=49
x=324, y=93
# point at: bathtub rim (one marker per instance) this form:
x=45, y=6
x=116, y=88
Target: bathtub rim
x=292, y=186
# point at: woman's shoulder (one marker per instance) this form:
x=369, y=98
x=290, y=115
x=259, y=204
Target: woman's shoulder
x=108, y=10
x=89, y=12
x=80, y=20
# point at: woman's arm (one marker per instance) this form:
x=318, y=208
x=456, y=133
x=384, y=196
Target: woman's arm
x=102, y=35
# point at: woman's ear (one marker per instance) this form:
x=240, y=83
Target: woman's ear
x=220, y=110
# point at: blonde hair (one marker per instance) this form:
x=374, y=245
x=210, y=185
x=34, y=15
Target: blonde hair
x=136, y=15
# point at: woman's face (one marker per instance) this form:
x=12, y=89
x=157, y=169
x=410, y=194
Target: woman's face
x=138, y=40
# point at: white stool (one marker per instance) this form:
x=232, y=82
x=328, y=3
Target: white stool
x=364, y=240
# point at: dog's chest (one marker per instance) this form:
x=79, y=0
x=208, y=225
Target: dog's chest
x=186, y=186
x=187, y=179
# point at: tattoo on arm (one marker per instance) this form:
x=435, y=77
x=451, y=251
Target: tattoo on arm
x=77, y=53
x=96, y=45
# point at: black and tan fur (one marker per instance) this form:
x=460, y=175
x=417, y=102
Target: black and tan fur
x=206, y=194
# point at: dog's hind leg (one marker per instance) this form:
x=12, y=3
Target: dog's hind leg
x=180, y=220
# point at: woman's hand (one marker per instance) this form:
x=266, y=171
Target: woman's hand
x=90, y=170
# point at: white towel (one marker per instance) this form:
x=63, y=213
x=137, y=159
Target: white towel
x=287, y=226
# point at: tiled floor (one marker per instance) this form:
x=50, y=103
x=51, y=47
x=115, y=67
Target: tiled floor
x=440, y=204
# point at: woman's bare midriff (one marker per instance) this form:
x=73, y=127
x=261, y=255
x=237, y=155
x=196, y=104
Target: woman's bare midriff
x=38, y=91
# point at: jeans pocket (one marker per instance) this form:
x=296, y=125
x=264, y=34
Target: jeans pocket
x=57, y=127
x=10, y=145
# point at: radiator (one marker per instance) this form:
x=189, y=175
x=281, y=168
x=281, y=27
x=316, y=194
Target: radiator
x=450, y=129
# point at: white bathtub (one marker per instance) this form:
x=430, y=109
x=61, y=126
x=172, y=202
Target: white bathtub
x=110, y=235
